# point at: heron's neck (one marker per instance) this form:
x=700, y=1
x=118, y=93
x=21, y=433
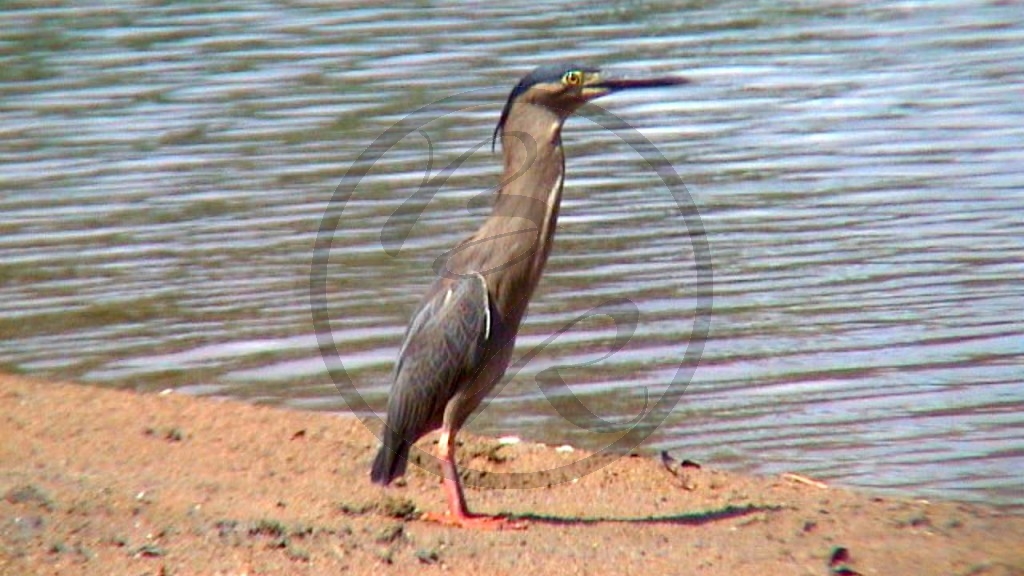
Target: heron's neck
x=531, y=185
x=526, y=210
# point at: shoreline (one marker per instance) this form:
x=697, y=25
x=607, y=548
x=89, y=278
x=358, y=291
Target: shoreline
x=100, y=481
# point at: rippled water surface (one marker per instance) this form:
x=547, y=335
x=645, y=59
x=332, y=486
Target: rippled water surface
x=858, y=169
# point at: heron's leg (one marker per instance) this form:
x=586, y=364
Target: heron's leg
x=450, y=474
x=458, y=514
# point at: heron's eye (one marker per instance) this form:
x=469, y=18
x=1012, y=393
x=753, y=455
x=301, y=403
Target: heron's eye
x=573, y=78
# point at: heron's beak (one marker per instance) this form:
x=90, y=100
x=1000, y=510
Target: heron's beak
x=597, y=85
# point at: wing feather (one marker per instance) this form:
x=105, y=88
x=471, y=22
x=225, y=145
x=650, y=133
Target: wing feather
x=445, y=342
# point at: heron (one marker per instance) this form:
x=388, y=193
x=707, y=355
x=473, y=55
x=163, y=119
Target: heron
x=460, y=339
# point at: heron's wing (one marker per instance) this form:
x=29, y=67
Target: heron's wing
x=444, y=344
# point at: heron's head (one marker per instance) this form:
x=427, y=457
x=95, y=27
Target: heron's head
x=563, y=89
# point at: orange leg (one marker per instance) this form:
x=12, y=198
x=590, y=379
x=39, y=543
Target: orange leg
x=458, y=515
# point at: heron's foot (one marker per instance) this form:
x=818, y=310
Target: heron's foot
x=474, y=521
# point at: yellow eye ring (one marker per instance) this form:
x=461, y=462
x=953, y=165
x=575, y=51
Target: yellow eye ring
x=573, y=78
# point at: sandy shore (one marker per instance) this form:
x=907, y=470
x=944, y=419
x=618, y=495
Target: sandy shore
x=96, y=481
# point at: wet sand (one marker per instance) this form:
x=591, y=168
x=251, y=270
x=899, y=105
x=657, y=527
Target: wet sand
x=96, y=481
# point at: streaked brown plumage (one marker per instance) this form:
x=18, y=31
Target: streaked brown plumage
x=460, y=339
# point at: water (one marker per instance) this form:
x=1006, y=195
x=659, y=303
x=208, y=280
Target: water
x=857, y=169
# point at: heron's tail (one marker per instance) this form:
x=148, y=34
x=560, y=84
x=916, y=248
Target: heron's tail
x=391, y=460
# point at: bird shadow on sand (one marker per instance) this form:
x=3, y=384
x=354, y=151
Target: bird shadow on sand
x=687, y=519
